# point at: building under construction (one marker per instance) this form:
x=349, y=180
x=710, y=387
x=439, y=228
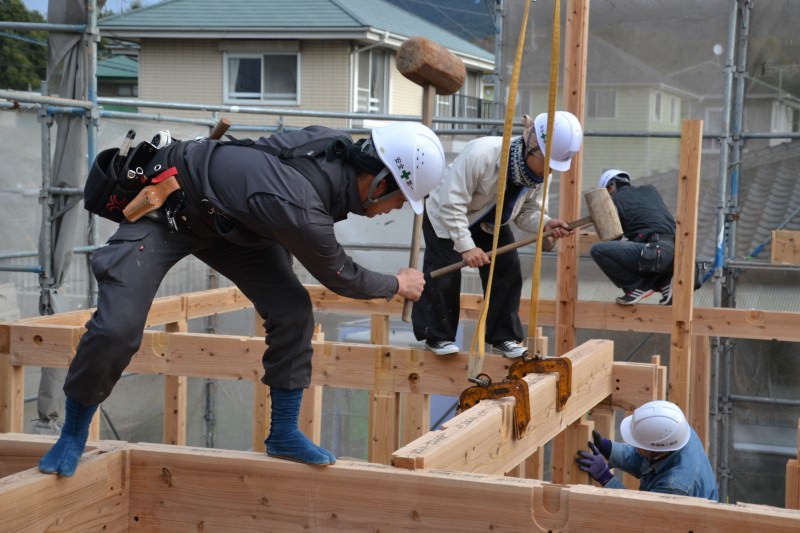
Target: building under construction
x=179, y=446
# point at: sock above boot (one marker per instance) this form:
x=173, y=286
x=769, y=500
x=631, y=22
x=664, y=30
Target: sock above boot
x=63, y=457
x=285, y=439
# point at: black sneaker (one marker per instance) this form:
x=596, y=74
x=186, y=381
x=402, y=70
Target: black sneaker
x=442, y=347
x=634, y=296
x=666, y=294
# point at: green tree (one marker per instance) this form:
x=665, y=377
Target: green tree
x=23, y=53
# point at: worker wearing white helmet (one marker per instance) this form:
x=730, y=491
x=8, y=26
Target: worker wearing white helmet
x=661, y=449
x=246, y=208
x=642, y=262
x=459, y=224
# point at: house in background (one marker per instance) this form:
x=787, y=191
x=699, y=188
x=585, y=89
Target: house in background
x=323, y=55
x=118, y=77
x=767, y=108
x=623, y=93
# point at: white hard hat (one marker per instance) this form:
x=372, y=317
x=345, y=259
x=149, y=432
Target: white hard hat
x=414, y=155
x=610, y=174
x=567, y=138
x=657, y=426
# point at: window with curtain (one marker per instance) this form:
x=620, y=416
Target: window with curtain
x=372, y=91
x=601, y=103
x=262, y=78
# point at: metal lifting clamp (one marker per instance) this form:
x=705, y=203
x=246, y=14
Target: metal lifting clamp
x=485, y=389
x=537, y=364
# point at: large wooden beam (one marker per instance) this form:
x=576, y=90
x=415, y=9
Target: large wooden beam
x=95, y=499
x=753, y=324
x=481, y=438
x=193, y=489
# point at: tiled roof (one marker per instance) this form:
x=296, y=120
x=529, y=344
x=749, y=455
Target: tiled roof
x=769, y=193
x=285, y=15
x=118, y=67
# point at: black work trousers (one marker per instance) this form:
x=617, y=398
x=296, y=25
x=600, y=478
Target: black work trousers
x=435, y=315
x=621, y=261
x=129, y=269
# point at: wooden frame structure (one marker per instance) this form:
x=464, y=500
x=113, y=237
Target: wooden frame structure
x=439, y=480
x=450, y=479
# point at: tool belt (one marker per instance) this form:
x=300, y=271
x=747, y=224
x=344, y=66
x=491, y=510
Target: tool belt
x=128, y=190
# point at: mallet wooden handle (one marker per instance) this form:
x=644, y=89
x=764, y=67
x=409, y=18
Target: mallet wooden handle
x=585, y=221
x=220, y=128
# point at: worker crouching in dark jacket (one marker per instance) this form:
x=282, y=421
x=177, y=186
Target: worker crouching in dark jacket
x=642, y=262
x=245, y=211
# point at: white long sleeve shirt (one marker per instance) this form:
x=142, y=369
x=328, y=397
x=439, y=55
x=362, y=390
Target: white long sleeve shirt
x=469, y=191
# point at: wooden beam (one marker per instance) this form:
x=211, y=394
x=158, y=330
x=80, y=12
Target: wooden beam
x=634, y=384
x=94, y=499
x=175, y=389
x=192, y=489
x=711, y=321
x=680, y=355
x=481, y=439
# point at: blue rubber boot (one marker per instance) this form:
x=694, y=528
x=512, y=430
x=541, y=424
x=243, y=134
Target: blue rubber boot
x=63, y=457
x=285, y=439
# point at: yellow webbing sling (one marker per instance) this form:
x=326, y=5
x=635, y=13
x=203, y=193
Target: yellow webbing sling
x=477, y=346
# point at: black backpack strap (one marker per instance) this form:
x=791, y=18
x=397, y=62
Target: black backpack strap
x=302, y=158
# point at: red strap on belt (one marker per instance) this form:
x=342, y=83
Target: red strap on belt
x=171, y=171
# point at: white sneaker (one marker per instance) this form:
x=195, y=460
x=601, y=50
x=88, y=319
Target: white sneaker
x=47, y=427
x=510, y=349
x=442, y=347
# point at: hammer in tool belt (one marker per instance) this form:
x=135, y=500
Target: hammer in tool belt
x=438, y=71
x=602, y=214
x=153, y=196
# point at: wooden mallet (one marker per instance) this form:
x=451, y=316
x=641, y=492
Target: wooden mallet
x=602, y=214
x=438, y=71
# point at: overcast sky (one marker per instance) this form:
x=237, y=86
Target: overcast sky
x=114, y=5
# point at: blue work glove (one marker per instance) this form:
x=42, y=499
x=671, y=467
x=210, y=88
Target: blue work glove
x=602, y=443
x=594, y=464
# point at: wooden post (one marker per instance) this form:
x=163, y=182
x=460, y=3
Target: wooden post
x=680, y=358
x=310, y=421
x=12, y=383
x=565, y=449
x=261, y=399
x=700, y=387
x=576, y=40
x=383, y=406
x=175, y=399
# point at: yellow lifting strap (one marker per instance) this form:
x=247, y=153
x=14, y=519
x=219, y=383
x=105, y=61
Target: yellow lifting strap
x=477, y=347
x=533, y=315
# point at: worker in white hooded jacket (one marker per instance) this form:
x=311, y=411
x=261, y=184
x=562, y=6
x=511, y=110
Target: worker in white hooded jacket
x=458, y=225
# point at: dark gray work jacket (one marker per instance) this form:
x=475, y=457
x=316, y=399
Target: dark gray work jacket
x=263, y=199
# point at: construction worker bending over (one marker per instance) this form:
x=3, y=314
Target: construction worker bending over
x=245, y=210
x=642, y=262
x=459, y=224
x=661, y=449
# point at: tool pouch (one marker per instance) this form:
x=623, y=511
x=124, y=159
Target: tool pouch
x=113, y=183
x=107, y=192
x=656, y=256
x=150, y=198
